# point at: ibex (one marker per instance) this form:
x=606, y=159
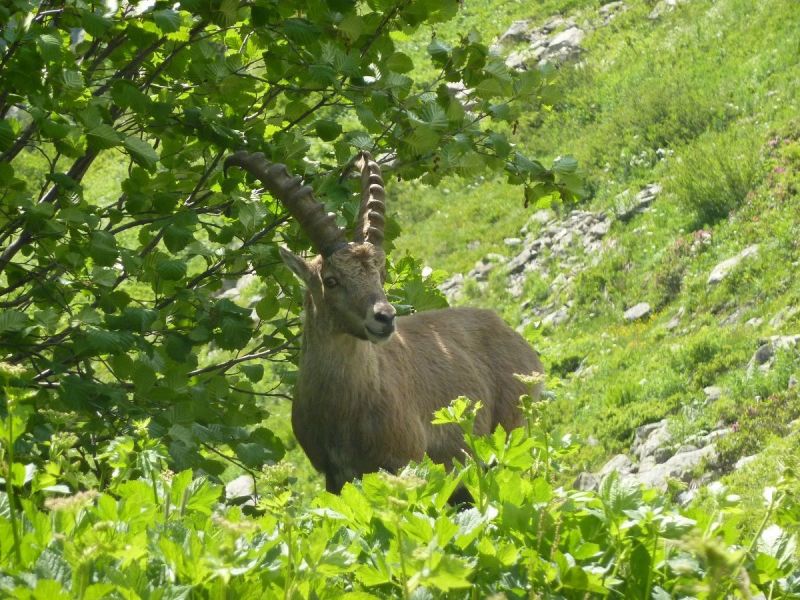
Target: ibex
x=369, y=382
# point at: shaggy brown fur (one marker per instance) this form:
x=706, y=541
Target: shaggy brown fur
x=364, y=404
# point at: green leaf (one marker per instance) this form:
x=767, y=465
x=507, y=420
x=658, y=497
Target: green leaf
x=203, y=496
x=103, y=136
x=267, y=307
x=128, y=95
x=95, y=24
x=399, y=63
x=141, y=152
x=49, y=47
x=133, y=319
x=12, y=320
x=103, y=248
x=171, y=269
x=73, y=79
x=565, y=165
x=327, y=129
x=254, y=373
x=252, y=455
x=235, y=333
x=451, y=573
x=167, y=20
x=176, y=238
x=7, y=135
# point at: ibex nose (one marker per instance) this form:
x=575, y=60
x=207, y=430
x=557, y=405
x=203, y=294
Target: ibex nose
x=384, y=313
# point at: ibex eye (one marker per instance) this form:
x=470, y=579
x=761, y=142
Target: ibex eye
x=330, y=282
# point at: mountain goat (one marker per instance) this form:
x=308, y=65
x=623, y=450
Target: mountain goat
x=369, y=382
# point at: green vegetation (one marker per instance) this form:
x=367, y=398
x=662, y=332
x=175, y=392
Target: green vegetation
x=132, y=391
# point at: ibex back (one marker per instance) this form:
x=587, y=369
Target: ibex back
x=369, y=382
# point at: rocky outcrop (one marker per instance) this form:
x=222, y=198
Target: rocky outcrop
x=660, y=458
x=556, y=41
x=546, y=244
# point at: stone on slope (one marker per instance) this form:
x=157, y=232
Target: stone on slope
x=639, y=311
x=723, y=269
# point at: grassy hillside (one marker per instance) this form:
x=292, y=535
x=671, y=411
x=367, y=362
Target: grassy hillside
x=701, y=100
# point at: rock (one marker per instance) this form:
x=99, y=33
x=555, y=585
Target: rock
x=619, y=463
x=754, y=322
x=744, y=461
x=663, y=454
x=600, y=229
x=648, y=441
x=783, y=315
x=680, y=466
x=586, y=482
x=452, y=287
x=481, y=270
x=558, y=283
x=639, y=311
x=722, y=270
x=518, y=263
x=241, y=491
x=764, y=353
x=610, y=10
x=764, y=357
x=713, y=393
x=643, y=199
x=684, y=448
x=565, y=46
x=569, y=37
x=512, y=242
x=526, y=58
x=676, y=320
x=543, y=216
x=556, y=318
x=519, y=31
x=792, y=383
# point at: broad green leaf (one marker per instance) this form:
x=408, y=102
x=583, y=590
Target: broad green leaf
x=327, y=130
x=73, y=79
x=254, y=372
x=103, y=136
x=49, y=47
x=400, y=63
x=12, y=320
x=103, y=248
x=171, y=269
x=142, y=152
x=167, y=20
x=177, y=238
x=267, y=307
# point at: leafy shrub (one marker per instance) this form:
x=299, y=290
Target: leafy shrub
x=715, y=175
x=157, y=534
x=755, y=423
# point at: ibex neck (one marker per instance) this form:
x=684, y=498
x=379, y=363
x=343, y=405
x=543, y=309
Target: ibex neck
x=334, y=352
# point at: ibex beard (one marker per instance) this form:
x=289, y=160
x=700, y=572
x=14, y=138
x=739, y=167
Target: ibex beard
x=369, y=382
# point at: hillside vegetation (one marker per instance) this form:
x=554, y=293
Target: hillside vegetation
x=701, y=101
x=651, y=262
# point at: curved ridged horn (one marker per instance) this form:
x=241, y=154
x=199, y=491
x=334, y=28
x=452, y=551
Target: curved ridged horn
x=319, y=226
x=371, y=215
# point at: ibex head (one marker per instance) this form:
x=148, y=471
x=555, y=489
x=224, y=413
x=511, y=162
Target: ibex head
x=345, y=282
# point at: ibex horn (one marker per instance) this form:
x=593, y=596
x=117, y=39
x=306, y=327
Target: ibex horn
x=319, y=226
x=371, y=215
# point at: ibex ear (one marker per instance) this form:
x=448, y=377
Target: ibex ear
x=297, y=264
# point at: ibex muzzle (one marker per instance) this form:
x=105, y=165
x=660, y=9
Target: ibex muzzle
x=369, y=383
